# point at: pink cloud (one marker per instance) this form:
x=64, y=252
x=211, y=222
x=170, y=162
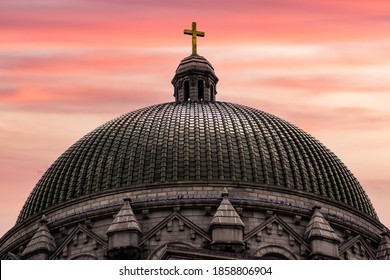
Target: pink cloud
x=44, y=63
x=129, y=22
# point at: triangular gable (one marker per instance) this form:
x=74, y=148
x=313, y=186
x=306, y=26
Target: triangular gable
x=357, y=239
x=283, y=224
x=169, y=218
x=75, y=232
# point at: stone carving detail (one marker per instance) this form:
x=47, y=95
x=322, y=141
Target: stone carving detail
x=87, y=243
x=356, y=248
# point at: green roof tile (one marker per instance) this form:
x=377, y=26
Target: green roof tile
x=197, y=141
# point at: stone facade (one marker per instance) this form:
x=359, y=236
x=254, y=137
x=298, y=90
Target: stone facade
x=179, y=221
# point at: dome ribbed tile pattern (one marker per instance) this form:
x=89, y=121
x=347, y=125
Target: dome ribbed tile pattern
x=210, y=141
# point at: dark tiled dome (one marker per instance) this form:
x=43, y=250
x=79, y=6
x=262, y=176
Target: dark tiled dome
x=196, y=141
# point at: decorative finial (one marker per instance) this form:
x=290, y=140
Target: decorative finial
x=316, y=207
x=225, y=192
x=194, y=34
x=43, y=220
x=385, y=231
x=127, y=199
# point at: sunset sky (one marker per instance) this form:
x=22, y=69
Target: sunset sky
x=67, y=66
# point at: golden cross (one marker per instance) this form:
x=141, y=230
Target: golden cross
x=194, y=33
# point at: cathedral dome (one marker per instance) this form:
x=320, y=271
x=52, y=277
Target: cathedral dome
x=196, y=141
x=148, y=185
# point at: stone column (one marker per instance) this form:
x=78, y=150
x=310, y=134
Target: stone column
x=322, y=238
x=124, y=234
x=227, y=228
x=41, y=245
